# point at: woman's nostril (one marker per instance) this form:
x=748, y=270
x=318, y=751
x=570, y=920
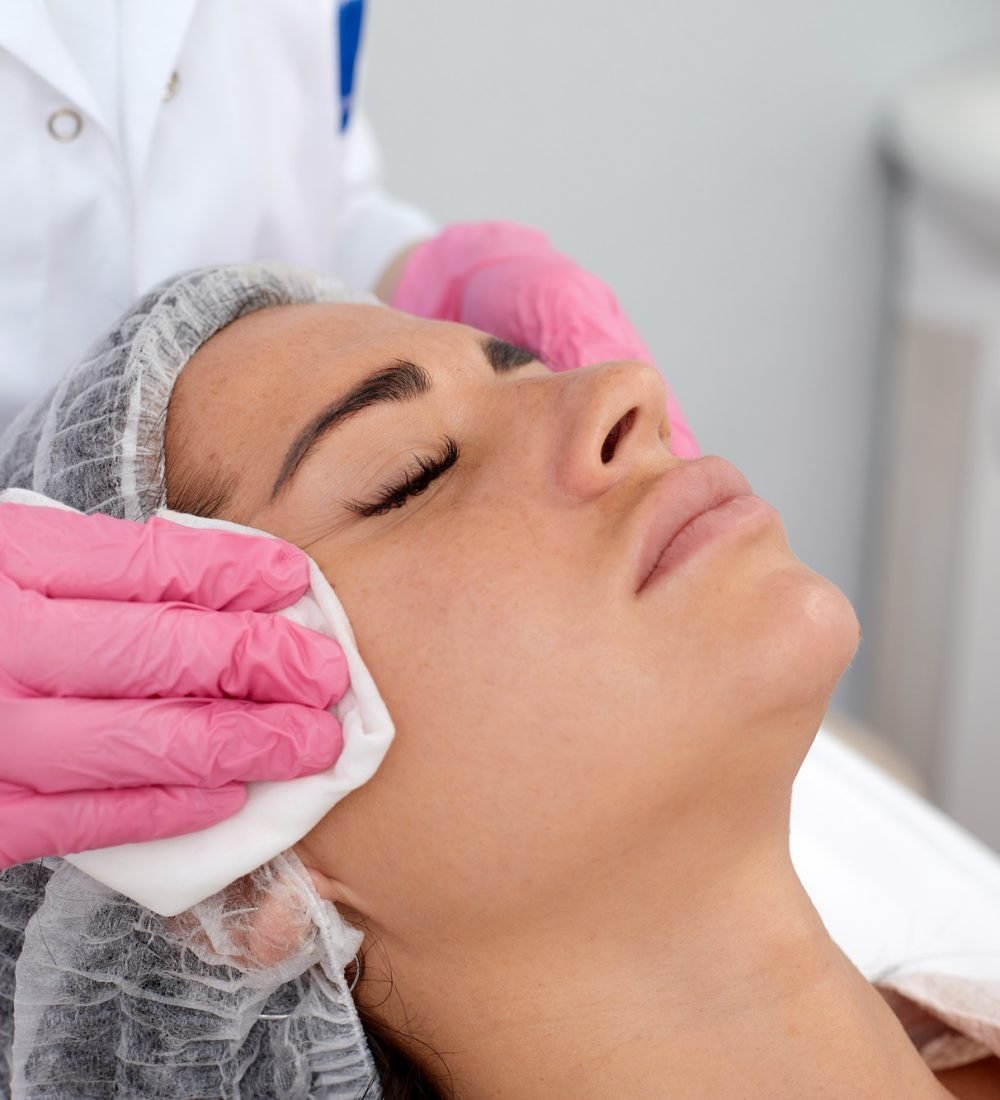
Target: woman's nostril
x=621, y=427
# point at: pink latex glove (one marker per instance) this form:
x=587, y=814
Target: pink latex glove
x=509, y=281
x=140, y=685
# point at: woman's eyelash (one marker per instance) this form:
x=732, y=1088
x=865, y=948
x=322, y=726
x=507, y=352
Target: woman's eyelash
x=413, y=484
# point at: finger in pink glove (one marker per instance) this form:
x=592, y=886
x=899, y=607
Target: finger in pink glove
x=507, y=280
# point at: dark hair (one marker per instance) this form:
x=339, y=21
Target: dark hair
x=400, y=1075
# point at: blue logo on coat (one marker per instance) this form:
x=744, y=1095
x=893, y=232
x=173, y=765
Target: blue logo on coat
x=349, y=20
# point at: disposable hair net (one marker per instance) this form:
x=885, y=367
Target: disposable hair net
x=243, y=995
x=96, y=441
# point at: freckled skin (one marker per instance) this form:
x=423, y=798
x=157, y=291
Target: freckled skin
x=548, y=718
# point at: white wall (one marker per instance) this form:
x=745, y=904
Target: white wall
x=715, y=163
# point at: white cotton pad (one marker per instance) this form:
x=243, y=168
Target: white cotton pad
x=169, y=876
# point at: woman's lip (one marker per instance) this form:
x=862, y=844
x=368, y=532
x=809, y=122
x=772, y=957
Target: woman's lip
x=732, y=515
x=681, y=494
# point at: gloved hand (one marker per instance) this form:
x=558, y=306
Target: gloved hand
x=140, y=685
x=509, y=281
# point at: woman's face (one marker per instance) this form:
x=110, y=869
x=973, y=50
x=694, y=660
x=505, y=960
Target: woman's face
x=549, y=715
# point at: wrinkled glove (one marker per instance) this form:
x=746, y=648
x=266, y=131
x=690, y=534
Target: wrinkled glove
x=509, y=281
x=141, y=683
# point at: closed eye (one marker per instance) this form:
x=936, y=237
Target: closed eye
x=399, y=381
x=414, y=482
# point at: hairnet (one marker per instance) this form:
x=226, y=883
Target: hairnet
x=95, y=442
x=244, y=994
x=114, y=1001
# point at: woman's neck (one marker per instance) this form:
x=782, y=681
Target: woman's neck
x=735, y=990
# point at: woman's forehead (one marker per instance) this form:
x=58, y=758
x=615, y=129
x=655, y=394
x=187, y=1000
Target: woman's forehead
x=269, y=349
x=249, y=390
x=289, y=333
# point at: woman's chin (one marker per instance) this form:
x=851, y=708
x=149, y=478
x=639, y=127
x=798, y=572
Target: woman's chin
x=817, y=636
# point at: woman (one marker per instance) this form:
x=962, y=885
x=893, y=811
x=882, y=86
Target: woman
x=572, y=868
x=258, y=102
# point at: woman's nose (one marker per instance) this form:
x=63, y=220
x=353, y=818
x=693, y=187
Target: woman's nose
x=611, y=421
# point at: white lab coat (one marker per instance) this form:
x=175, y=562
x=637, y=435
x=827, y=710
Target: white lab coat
x=218, y=139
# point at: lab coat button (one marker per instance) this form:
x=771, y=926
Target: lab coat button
x=173, y=86
x=65, y=124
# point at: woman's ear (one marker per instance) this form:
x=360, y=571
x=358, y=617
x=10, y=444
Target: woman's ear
x=329, y=887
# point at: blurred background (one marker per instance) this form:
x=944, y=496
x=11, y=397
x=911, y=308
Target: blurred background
x=821, y=308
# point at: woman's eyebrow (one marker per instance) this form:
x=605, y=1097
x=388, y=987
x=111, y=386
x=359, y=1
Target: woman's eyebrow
x=400, y=381
x=503, y=357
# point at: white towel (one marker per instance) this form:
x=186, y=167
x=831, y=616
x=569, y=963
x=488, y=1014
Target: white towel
x=173, y=874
